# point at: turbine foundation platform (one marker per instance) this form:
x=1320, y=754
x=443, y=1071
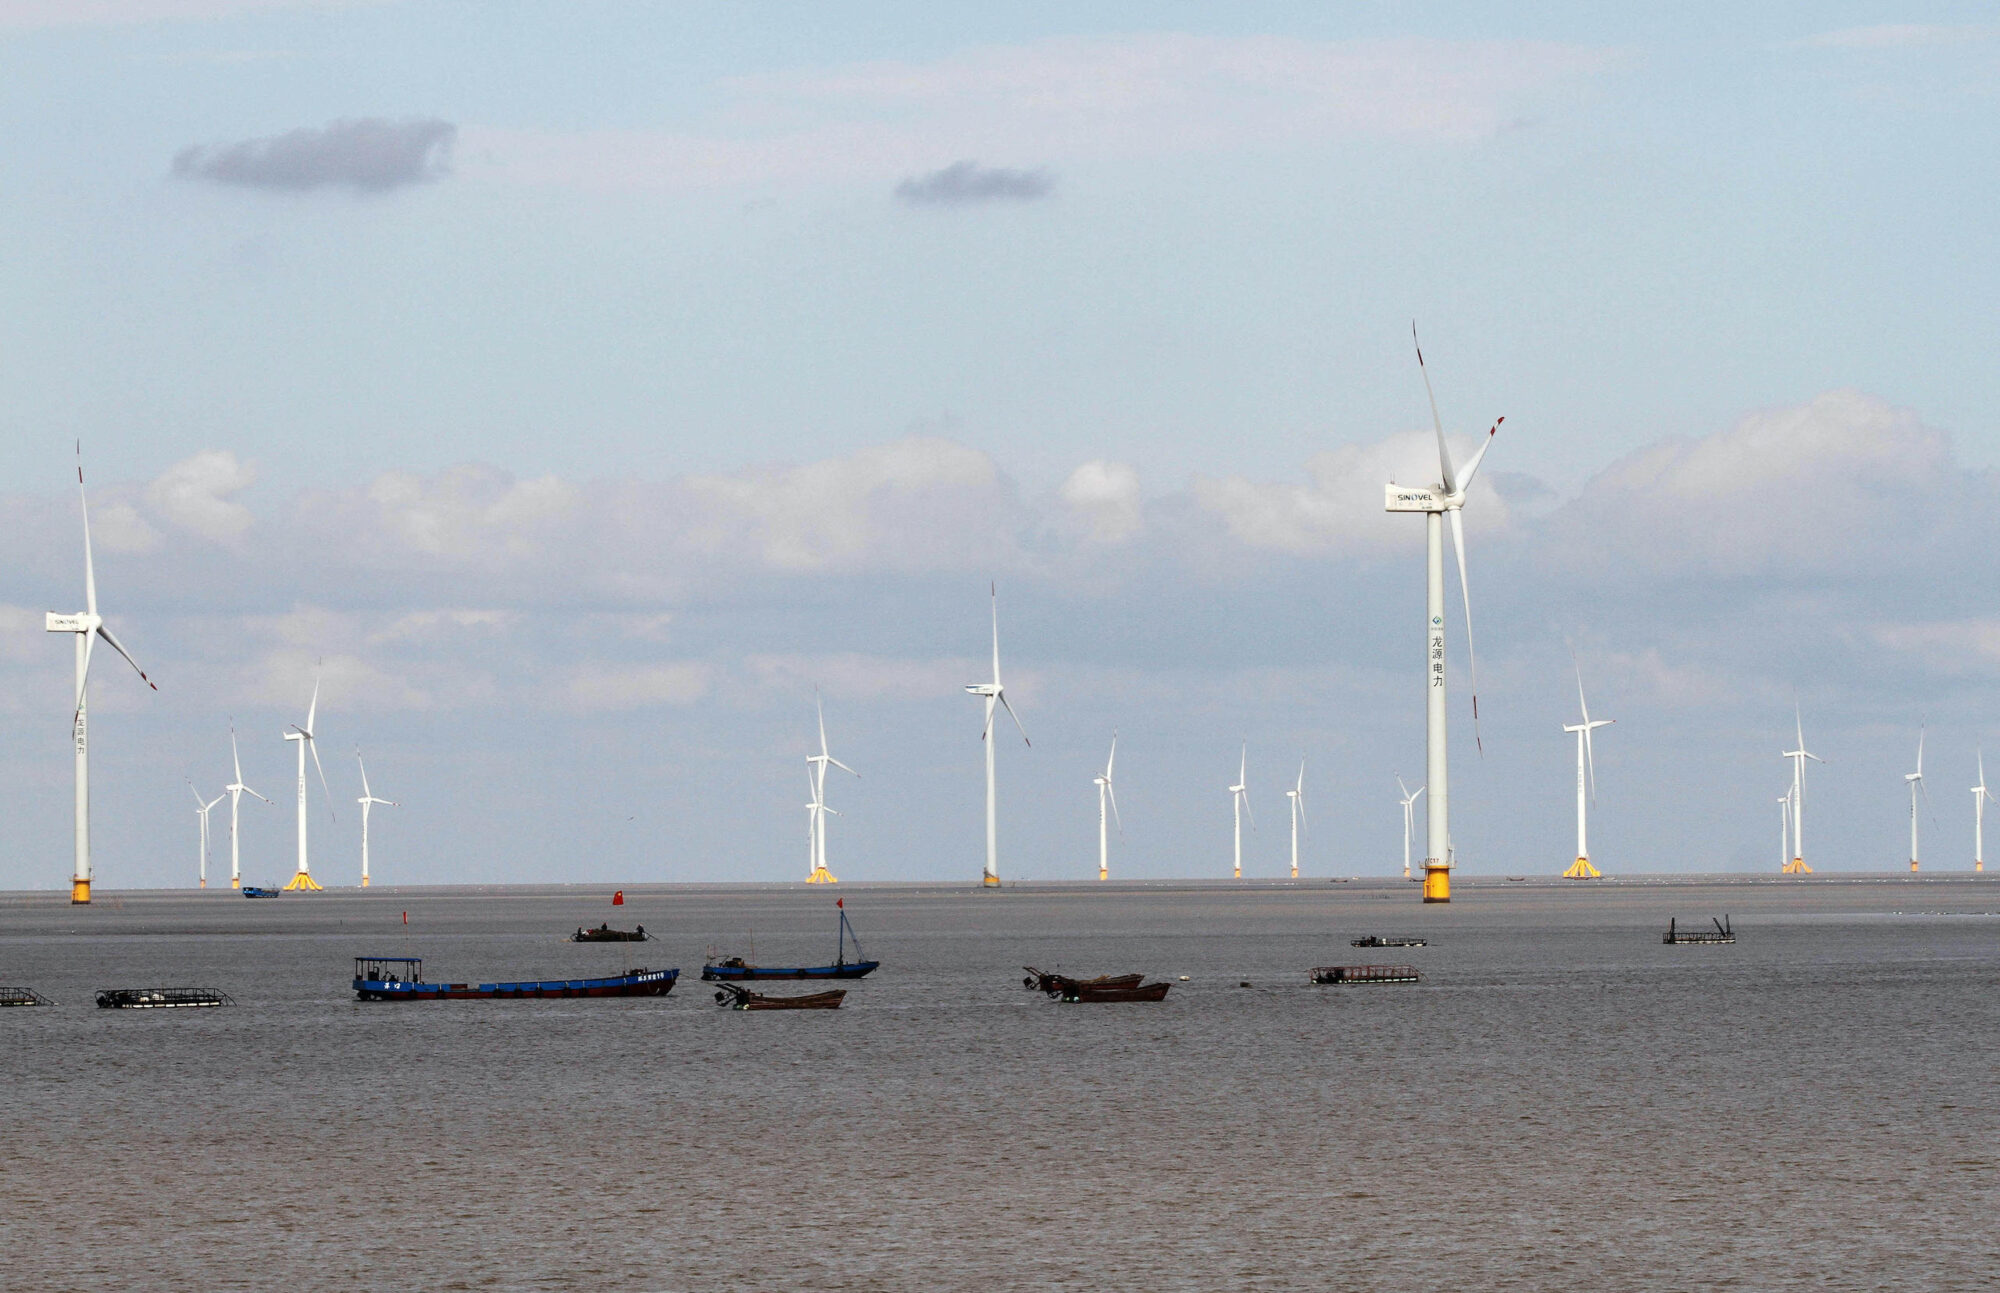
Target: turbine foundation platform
x=1437, y=882
x=1103, y=873
x=364, y=882
x=990, y=881
x=303, y=880
x=236, y=882
x=1913, y=864
x=821, y=875
x=1797, y=866
x=1978, y=866
x=79, y=891
x=1582, y=870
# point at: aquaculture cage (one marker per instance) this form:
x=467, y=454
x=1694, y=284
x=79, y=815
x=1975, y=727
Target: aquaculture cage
x=160, y=998
x=23, y=997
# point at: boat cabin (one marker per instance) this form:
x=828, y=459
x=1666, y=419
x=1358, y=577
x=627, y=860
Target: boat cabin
x=389, y=969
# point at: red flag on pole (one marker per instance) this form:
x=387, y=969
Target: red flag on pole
x=840, y=903
x=618, y=899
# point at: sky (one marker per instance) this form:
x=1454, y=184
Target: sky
x=577, y=390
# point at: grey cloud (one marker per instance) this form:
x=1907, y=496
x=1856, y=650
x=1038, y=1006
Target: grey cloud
x=368, y=154
x=966, y=182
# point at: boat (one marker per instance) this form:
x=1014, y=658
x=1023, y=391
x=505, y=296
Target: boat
x=252, y=891
x=1092, y=993
x=1377, y=940
x=1365, y=974
x=23, y=997
x=735, y=997
x=1056, y=984
x=1722, y=933
x=606, y=934
x=160, y=998
x=735, y=967
x=401, y=978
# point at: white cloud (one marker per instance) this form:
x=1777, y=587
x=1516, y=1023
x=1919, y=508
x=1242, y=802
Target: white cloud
x=194, y=494
x=1963, y=647
x=1903, y=35
x=118, y=527
x=1106, y=494
x=612, y=687
x=865, y=677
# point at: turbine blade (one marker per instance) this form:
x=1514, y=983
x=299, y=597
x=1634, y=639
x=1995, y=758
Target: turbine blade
x=1113, y=796
x=1016, y=717
x=1479, y=455
x=1114, y=758
x=1471, y=657
x=993, y=590
x=89, y=566
x=83, y=677
x=1405, y=789
x=194, y=792
x=1450, y=481
x=843, y=767
x=820, y=708
x=312, y=710
x=365, y=791
x=314, y=747
x=1590, y=761
x=1246, y=808
x=235, y=757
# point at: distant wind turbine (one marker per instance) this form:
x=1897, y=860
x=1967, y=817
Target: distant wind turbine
x=367, y=801
x=201, y=811
x=1297, y=794
x=1798, y=756
x=1105, y=794
x=1409, y=821
x=1581, y=869
x=994, y=694
x=1239, y=799
x=304, y=736
x=236, y=791
x=1436, y=502
x=1915, y=781
x=1980, y=796
x=817, y=764
x=88, y=627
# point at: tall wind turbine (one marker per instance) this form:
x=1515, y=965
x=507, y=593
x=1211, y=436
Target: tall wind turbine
x=1915, y=780
x=88, y=626
x=1239, y=801
x=236, y=791
x=367, y=801
x=1297, y=794
x=1581, y=869
x=1105, y=794
x=1798, y=756
x=304, y=736
x=1436, y=502
x=1409, y=821
x=1980, y=794
x=201, y=811
x=994, y=694
x=817, y=764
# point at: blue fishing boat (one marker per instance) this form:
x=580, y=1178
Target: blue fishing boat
x=252, y=891
x=401, y=978
x=736, y=968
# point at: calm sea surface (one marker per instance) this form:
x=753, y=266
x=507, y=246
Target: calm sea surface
x=1564, y=1102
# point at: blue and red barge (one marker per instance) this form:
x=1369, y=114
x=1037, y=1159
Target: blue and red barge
x=401, y=978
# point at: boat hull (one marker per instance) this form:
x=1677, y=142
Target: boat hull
x=639, y=983
x=732, y=998
x=1096, y=994
x=733, y=973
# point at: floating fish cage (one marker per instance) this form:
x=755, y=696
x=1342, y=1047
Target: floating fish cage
x=1365, y=974
x=1378, y=940
x=160, y=998
x=1720, y=934
x=23, y=997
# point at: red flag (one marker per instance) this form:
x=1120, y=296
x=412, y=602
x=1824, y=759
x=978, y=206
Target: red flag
x=840, y=903
x=618, y=899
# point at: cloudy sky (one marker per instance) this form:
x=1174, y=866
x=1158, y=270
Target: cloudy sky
x=584, y=384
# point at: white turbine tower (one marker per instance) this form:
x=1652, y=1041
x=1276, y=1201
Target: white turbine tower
x=1436, y=502
x=367, y=801
x=1784, y=831
x=1581, y=869
x=1409, y=821
x=994, y=694
x=87, y=626
x=1980, y=794
x=236, y=791
x=1105, y=794
x=1239, y=801
x=1798, y=756
x=201, y=811
x=1297, y=794
x=304, y=736
x=1915, y=780
x=817, y=765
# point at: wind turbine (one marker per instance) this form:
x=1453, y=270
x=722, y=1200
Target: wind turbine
x=1784, y=831
x=88, y=626
x=994, y=694
x=367, y=801
x=201, y=811
x=1980, y=794
x=236, y=791
x=1105, y=794
x=1297, y=794
x=1797, y=866
x=1581, y=869
x=817, y=765
x=1239, y=801
x=1436, y=502
x=1915, y=781
x=304, y=736
x=1409, y=821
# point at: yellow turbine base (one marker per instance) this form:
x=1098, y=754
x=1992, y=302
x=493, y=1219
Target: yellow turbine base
x=1239, y=873
x=990, y=881
x=1104, y=873
x=203, y=884
x=364, y=882
x=1978, y=866
x=1295, y=873
x=1797, y=866
x=1582, y=870
x=1437, y=882
x=79, y=891
x=303, y=880
x=821, y=875
x=1913, y=864
x=236, y=882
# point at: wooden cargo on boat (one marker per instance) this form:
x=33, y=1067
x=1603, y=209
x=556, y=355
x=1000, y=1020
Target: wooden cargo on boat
x=1056, y=984
x=735, y=997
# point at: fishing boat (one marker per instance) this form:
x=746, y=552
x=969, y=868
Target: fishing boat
x=735, y=997
x=160, y=998
x=606, y=934
x=401, y=978
x=735, y=967
x=1365, y=974
x=1722, y=933
x=1056, y=984
x=1377, y=940
x=1092, y=993
x=252, y=891
x=23, y=997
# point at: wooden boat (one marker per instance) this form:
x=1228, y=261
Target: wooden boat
x=1365, y=974
x=606, y=934
x=252, y=891
x=735, y=968
x=1092, y=993
x=160, y=998
x=1720, y=934
x=401, y=978
x=22, y=997
x=1055, y=984
x=1377, y=940
x=736, y=997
